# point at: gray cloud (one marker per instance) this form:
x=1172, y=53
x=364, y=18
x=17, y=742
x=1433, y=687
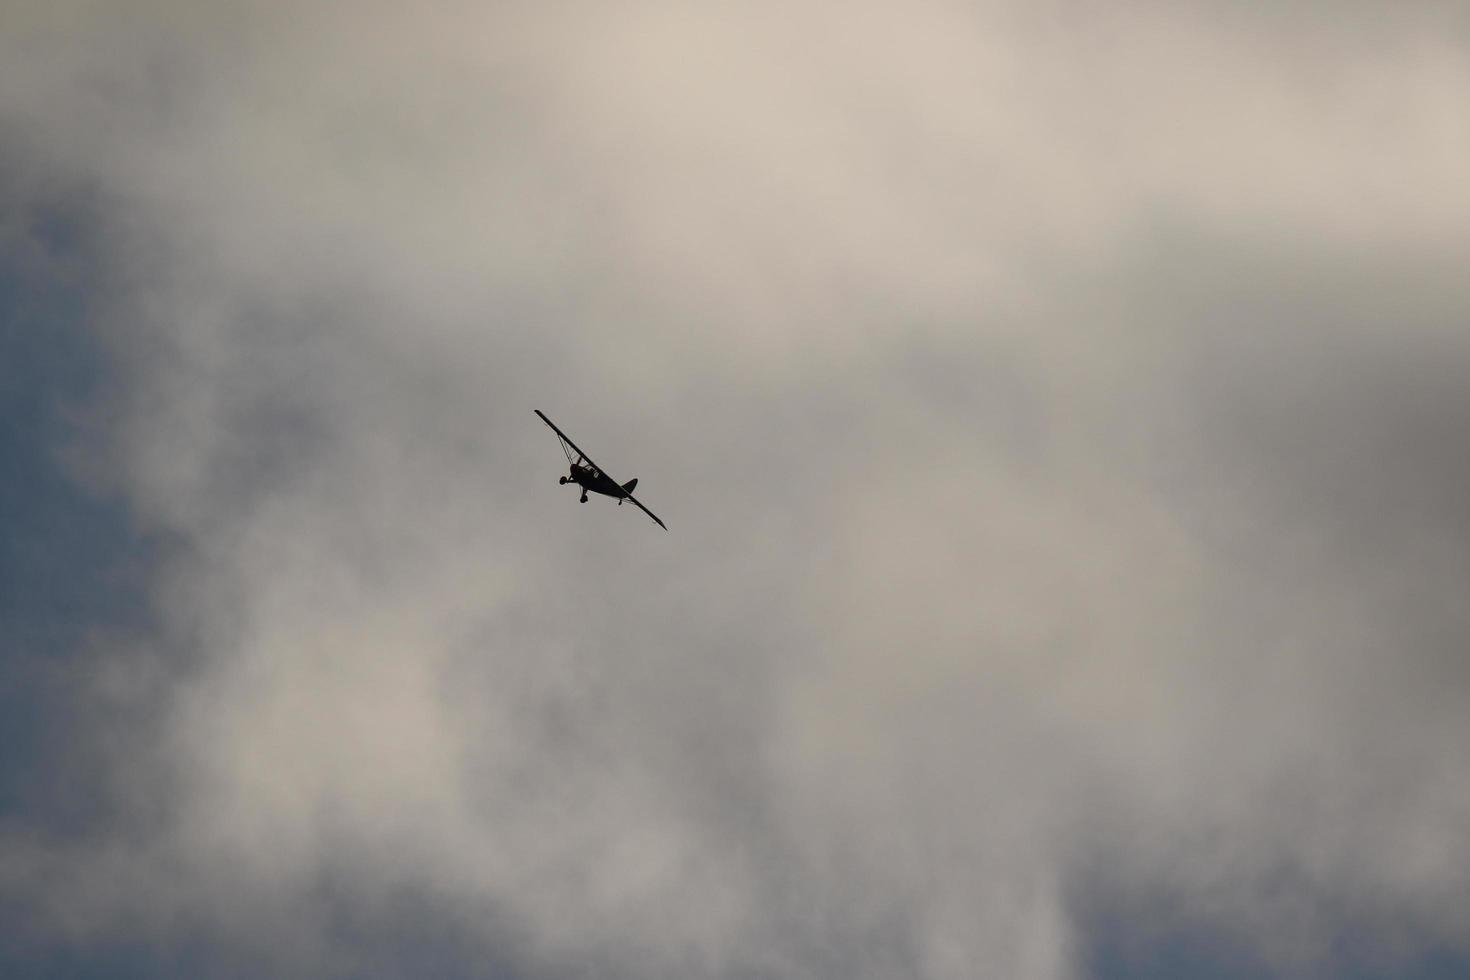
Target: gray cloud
x=1056, y=415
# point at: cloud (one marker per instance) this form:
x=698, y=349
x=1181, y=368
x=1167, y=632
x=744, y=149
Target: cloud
x=1054, y=412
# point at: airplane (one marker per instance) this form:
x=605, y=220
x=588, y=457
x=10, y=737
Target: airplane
x=591, y=477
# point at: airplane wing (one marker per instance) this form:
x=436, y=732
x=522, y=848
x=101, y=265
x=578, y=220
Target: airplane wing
x=566, y=439
x=634, y=501
x=626, y=495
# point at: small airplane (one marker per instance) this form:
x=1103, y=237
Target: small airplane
x=589, y=476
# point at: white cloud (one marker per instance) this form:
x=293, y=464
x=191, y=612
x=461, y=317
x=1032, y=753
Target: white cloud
x=988, y=366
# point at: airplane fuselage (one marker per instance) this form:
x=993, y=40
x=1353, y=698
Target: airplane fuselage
x=590, y=480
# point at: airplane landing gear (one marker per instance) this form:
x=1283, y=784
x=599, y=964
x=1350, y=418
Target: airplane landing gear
x=562, y=481
x=584, y=498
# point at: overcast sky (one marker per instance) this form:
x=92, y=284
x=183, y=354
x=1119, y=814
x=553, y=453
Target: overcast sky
x=1059, y=411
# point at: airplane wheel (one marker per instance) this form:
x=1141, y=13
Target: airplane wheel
x=562, y=481
x=584, y=498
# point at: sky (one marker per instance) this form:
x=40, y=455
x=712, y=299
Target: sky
x=1058, y=412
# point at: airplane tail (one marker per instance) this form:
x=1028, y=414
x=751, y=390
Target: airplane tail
x=628, y=487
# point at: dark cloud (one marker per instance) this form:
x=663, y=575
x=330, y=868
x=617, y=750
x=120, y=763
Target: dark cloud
x=1057, y=422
